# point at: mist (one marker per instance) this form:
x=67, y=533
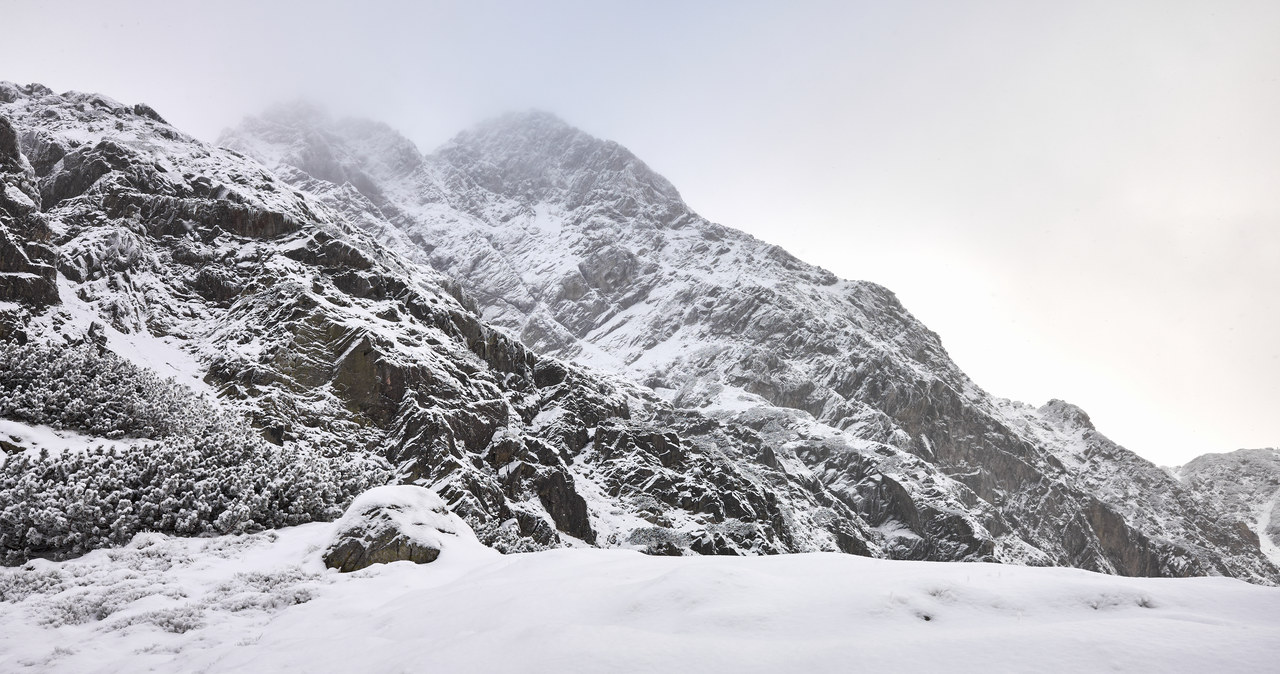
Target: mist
x=1079, y=198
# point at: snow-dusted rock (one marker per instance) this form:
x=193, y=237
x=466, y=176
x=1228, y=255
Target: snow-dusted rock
x=575, y=245
x=395, y=523
x=756, y=404
x=200, y=263
x=1246, y=485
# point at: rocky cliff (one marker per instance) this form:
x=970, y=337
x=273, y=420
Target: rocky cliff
x=532, y=323
x=264, y=291
x=1245, y=486
x=26, y=260
x=573, y=245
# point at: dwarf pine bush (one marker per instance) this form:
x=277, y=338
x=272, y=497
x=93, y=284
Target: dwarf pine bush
x=87, y=389
x=203, y=471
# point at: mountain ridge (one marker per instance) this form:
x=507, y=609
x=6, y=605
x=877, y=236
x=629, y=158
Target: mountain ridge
x=507, y=257
x=328, y=342
x=734, y=400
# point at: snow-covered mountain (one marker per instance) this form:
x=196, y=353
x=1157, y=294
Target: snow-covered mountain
x=577, y=248
x=1245, y=484
x=355, y=312
x=356, y=364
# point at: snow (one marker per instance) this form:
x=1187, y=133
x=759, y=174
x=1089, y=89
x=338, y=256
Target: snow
x=547, y=416
x=32, y=438
x=734, y=399
x=163, y=355
x=264, y=602
x=1265, y=515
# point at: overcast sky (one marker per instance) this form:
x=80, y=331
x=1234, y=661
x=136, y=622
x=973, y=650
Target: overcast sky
x=1082, y=199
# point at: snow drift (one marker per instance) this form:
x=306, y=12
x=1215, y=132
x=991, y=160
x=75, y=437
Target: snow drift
x=266, y=602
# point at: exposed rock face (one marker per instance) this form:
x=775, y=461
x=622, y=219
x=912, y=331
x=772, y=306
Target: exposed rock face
x=293, y=314
x=573, y=244
x=1246, y=485
x=393, y=524
x=27, y=273
x=757, y=404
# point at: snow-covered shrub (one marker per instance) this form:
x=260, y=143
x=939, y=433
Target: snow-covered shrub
x=225, y=481
x=504, y=537
x=84, y=388
x=207, y=472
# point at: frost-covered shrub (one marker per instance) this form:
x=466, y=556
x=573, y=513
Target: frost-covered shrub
x=503, y=537
x=226, y=481
x=84, y=388
x=207, y=472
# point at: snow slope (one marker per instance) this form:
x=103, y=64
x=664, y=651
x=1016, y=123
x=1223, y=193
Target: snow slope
x=265, y=602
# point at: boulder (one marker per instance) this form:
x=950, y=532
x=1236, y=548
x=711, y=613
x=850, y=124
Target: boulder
x=395, y=523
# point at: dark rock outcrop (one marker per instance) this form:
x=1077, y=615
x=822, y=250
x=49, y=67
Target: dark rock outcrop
x=395, y=524
x=27, y=272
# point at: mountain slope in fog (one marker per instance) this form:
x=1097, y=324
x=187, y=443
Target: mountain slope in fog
x=575, y=246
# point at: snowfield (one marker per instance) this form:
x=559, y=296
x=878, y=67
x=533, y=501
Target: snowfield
x=265, y=603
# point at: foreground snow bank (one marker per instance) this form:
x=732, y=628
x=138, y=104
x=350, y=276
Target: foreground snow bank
x=265, y=603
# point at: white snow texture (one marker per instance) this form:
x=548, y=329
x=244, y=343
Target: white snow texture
x=265, y=603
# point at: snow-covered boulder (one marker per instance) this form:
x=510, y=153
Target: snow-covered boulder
x=395, y=523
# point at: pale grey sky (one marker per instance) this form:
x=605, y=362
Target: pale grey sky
x=1082, y=199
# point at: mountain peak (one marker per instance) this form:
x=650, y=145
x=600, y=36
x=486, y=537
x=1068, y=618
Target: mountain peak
x=524, y=133
x=305, y=135
x=534, y=156
x=532, y=119
x=1066, y=413
x=298, y=112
